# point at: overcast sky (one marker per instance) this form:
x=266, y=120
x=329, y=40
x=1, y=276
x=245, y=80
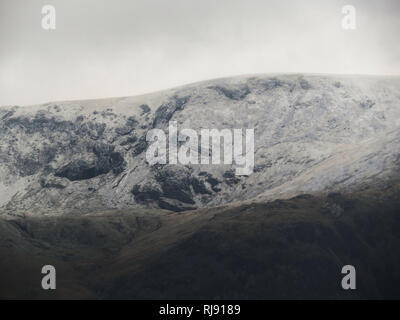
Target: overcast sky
x=126, y=47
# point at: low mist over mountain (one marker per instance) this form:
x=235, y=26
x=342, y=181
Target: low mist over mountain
x=312, y=133
x=77, y=192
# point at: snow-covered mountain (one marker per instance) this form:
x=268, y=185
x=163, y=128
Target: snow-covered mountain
x=312, y=133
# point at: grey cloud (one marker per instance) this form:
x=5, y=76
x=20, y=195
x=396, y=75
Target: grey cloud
x=117, y=48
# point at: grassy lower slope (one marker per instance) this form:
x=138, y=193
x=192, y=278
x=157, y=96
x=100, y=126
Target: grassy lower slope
x=282, y=249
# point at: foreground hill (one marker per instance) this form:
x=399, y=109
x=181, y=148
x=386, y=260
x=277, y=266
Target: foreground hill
x=291, y=248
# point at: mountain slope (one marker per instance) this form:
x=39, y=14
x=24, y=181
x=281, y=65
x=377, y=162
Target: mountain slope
x=77, y=192
x=312, y=133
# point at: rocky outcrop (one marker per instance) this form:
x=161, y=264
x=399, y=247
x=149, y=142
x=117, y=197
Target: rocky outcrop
x=166, y=111
x=238, y=93
x=105, y=160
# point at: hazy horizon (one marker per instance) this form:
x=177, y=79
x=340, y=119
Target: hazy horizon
x=203, y=80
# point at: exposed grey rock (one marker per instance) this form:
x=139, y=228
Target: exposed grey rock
x=367, y=104
x=128, y=127
x=238, y=93
x=165, y=112
x=81, y=170
x=145, y=108
x=140, y=146
x=304, y=84
x=175, y=183
x=53, y=183
x=147, y=193
x=128, y=141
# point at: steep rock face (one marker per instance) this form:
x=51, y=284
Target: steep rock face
x=312, y=133
x=104, y=162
